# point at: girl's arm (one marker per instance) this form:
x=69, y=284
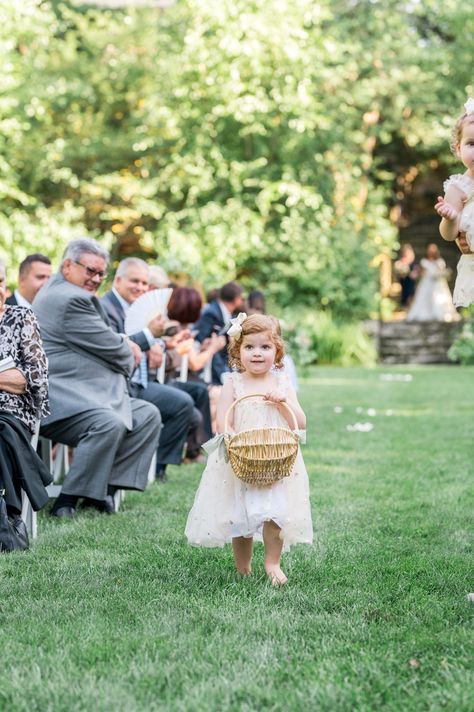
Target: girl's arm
x=226, y=399
x=449, y=209
x=292, y=400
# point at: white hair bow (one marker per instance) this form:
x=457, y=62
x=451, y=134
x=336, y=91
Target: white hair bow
x=469, y=106
x=235, y=328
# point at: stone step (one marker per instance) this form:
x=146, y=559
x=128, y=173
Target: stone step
x=415, y=342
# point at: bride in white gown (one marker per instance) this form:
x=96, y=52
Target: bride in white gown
x=433, y=301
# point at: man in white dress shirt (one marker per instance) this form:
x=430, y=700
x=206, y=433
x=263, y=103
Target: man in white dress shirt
x=176, y=407
x=33, y=273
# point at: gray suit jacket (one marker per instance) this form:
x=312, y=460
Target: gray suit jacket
x=88, y=362
x=116, y=318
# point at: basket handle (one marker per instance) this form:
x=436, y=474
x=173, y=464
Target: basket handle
x=258, y=395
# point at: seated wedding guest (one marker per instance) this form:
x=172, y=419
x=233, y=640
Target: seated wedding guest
x=256, y=302
x=176, y=407
x=211, y=294
x=185, y=307
x=408, y=271
x=214, y=317
x=23, y=400
x=114, y=436
x=33, y=272
x=158, y=279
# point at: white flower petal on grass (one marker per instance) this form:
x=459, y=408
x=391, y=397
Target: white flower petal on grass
x=371, y=412
x=404, y=377
x=360, y=427
x=337, y=409
x=470, y=597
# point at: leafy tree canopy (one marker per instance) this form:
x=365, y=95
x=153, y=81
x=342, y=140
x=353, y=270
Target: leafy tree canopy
x=263, y=140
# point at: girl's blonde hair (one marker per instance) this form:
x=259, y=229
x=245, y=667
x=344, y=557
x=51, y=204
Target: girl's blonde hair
x=456, y=134
x=256, y=324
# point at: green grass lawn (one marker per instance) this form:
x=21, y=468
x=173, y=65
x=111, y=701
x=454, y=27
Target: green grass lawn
x=119, y=613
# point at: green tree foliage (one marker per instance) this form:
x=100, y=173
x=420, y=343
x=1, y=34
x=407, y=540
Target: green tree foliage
x=258, y=139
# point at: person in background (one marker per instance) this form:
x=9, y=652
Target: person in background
x=33, y=272
x=212, y=294
x=23, y=401
x=408, y=272
x=158, y=279
x=256, y=302
x=175, y=406
x=114, y=436
x=214, y=317
x=185, y=307
x=433, y=300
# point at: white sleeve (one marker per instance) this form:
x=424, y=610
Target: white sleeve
x=459, y=181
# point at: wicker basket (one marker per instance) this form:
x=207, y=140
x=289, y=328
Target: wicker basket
x=262, y=456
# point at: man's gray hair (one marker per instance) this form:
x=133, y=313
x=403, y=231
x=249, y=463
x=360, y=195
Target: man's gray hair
x=158, y=277
x=76, y=248
x=131, y=262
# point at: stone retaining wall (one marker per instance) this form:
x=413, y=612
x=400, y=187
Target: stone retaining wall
x=416, y=342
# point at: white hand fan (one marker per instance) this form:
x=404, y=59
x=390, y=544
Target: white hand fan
x=145, y=308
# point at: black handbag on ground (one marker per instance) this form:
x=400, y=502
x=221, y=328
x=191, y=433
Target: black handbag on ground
x=13, y=533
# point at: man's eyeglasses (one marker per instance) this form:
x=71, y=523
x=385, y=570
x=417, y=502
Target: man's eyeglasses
x=92, y=272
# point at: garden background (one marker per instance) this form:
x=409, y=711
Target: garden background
x=277, y=143
x=288, y=144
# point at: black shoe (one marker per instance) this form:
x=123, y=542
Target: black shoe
x=109, y=505
x=105, y=506
x=64, y=512
x=161, y=475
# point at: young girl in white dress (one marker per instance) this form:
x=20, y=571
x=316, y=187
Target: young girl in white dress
x=226, y=509
x=456, y=208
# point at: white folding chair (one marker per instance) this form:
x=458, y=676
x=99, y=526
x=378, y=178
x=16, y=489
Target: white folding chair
x=60, y=462
x=183, y=371
x=161, y=372
x=28, y=514
x=207, y=372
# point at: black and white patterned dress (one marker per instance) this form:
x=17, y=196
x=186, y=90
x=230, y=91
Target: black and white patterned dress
x=20, y=339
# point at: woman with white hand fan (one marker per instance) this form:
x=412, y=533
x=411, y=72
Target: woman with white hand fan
x=184, y=307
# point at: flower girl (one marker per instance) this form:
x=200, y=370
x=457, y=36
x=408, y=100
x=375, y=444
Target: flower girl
x=226, y=509
x=456, y=208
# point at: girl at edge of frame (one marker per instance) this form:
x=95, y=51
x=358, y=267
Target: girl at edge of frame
x=456, y=208
x=228, y=510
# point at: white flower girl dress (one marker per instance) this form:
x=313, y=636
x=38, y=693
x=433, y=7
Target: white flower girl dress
x=225, y=507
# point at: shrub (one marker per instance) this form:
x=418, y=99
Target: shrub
x=315, y=337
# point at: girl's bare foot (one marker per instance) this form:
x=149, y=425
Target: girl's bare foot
x=242, y=547
x=276, y=575
x=244, y=571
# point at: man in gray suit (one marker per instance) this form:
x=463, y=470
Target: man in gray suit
x=114, y=436
x=176, y=407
